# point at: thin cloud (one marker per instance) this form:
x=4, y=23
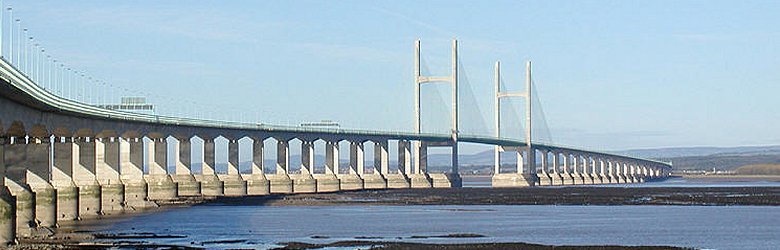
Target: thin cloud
x=406, y=18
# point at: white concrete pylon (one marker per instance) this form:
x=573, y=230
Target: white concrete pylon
x=404, y=157
x=232, y=164
x=209, y=160
x=257, y=156
x=183, y=156
x=282, y=157
x=332, y=157
x=157, y=149
x=381, y=158
x=307, y=157
x=356, y=158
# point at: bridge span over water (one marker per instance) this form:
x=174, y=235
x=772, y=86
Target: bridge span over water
x=63, y=160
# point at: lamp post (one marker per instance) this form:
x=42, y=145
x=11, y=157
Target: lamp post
x=19, y=44
x=10, y=34
x=1, y=27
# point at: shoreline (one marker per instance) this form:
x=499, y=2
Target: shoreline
x=578, y=195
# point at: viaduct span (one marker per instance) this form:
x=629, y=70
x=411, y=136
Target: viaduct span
x=62, y=160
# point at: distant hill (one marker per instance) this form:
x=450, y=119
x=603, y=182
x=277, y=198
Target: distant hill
x=707, y=158
x=698, y=151
x=759, y=169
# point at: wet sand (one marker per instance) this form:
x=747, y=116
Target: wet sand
x=404, y=246
x=582, y=195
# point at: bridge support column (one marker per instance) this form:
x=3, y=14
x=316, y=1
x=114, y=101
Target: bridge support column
x=397, y=178
x=525, y=175
x=578, y=168
x=112, y=191
x=543, y=174
x=590, y=176
x=37, y=178
x=84, y=177
x=634, y=172
x=16, y=164
x=556, y=177
x=256, y=182
x=131, y=172
x=420, y=178
x=376, y=180
x=305, y=182
x=67, y=203
x=210, y=185
x=603, y=175
x=566, y=176
x=353, y=179
x=185, y=181
x=281, y=182
x=611, y=172
x=328, y=182
x=450, y=179
x=622, y=172
x=640, y=174
x=234, y=184
x=7, y=203
x=160, y=184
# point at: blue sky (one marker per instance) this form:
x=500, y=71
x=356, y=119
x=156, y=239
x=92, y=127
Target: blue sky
x=610, y=74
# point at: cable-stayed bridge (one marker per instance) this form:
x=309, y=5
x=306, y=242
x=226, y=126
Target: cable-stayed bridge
x=65, y=158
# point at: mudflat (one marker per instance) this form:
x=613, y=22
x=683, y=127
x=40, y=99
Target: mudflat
x=578, y=195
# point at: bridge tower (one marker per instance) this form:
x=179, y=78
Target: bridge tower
x=421, y=177
x=525, y=175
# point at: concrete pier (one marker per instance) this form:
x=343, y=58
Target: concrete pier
x=398, y=178
x=84, y=177
x=305, y=182
x=112, y=191
x=353, y=180
x=445, y=180
x=329, y=182
x=233, y=183
x=621, y=173
x=420, y=177
x=556, y=177
x=543, y=176
x=589, y=168
x=186, y=183
x=7, y=215
x=281, y=182
x=376, y=179
x=567, y=178
x=603, y=174
x=37, y=179
x=576, y=174
x=131, y=173
x=256, y=182
x=67, y=204
x=210, y=185
x=159, y=182
x=17, y=163
x=7, y=203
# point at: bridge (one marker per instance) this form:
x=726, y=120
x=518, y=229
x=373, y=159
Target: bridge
x=62, y=159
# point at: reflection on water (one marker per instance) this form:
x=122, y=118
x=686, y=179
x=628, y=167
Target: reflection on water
x=217, y=226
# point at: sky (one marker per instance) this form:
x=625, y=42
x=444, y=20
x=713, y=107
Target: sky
x=610, y=75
